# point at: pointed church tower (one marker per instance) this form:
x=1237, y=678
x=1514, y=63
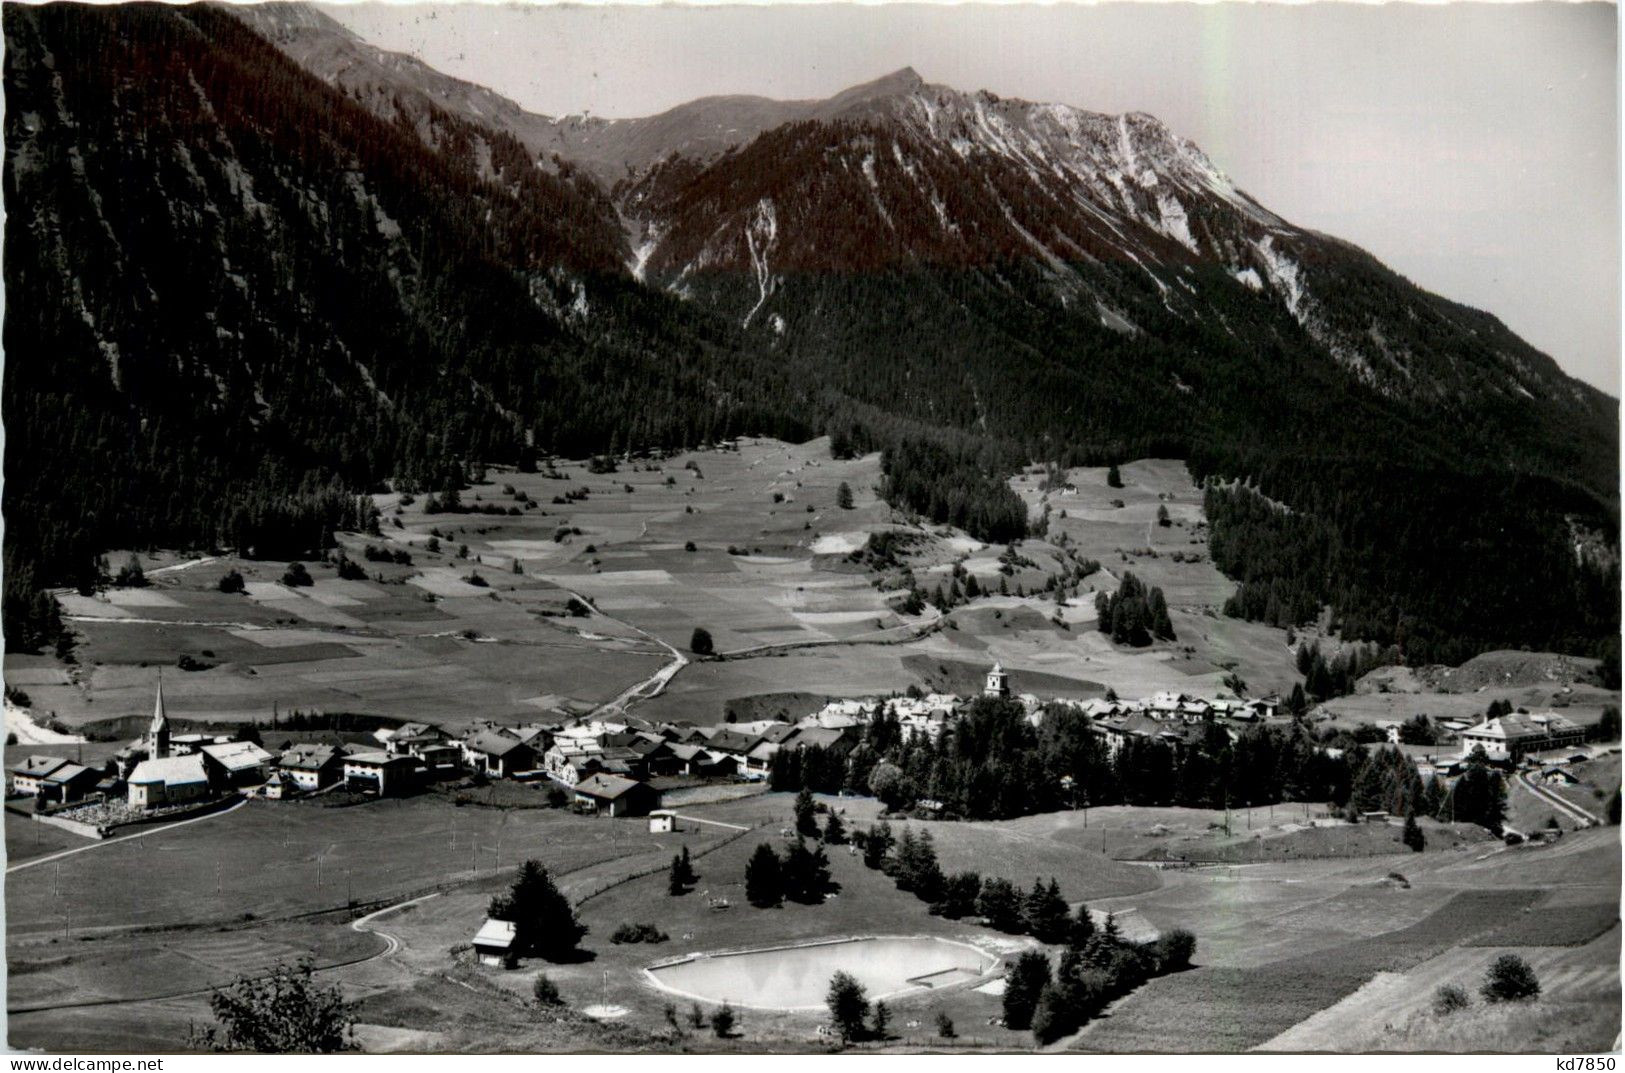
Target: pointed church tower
x=998, y=682
x=158, y=733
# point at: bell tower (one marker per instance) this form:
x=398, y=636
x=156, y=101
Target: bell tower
x=998, y=682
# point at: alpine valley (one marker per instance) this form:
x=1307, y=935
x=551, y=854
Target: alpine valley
x=256, y=268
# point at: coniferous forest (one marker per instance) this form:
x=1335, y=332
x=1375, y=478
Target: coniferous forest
x=238, y=300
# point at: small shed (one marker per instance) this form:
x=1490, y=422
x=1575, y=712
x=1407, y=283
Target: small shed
x=493, y=943
x=662, y=822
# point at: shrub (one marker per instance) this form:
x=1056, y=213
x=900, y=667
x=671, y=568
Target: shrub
x=546, y=992
x=1450, y=998
x=722, y=1022
x=284, y=1012
x=945, y=1026
x=232, y=582
x=700, y=642
x=638, y=933
x=1509, y=979
x=296, y=575
x=1174, y=949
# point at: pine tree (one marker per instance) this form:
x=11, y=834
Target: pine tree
x=1412, y=835
x=764, y=882
x=806, y=814
x=545, y=923
x=1023, y=983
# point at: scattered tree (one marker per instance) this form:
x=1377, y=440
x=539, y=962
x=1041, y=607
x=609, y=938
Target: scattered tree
x=1509, y=979
x=545, y=923
x=848, y=1005
x=286, y=1012
x=700, y=642
x=764, y=881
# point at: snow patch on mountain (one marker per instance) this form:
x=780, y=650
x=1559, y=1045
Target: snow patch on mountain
x=761, y=232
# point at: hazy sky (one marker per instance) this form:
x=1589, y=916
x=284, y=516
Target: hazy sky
x=1473, y=148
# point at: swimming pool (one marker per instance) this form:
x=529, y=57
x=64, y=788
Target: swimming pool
x=797, y=977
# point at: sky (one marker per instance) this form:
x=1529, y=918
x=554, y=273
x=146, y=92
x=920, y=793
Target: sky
x=1474, y=148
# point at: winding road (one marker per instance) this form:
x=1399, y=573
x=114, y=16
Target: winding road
x=1557, y=801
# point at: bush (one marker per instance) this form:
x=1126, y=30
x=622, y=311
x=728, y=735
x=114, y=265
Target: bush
x=945, y=1026
x=638, y=933
x=232, y=582
x=722, y=1022
x=700, y=642
x=1509, y=979
x=296, y=576
x=1174, y=949
x=546, y=992
x=1450, y=998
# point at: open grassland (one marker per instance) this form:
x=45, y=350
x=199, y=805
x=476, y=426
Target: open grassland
x=279, y=859
x=1578, y=1009
x=769, y=576
x=1235, y=1009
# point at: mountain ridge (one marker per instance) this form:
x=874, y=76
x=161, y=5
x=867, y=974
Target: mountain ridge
x=403, y=283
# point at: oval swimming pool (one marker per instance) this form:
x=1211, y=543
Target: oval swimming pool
x=797, y=977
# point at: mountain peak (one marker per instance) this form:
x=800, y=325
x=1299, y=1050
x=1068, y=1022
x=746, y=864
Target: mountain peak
x=897, y=84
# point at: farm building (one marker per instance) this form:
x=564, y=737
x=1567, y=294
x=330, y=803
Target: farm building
x=237, y=763
x=1559, y=776
x=169, y=780
x=611, y=795
x=498, y=754
x=427, y=742
x=700, y=761
x=1509, y=737
x=70, y=782
x=570, y=760
x=28, y=776
x=493, y=943
x=311, y=767
x=381, y=773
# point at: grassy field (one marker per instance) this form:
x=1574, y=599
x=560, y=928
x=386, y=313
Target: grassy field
x=748, y=543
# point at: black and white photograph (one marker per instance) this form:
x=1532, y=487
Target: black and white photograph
x=811, y=529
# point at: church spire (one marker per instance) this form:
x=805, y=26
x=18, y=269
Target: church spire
x=158, y=733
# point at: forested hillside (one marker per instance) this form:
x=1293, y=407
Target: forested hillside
x=236, y=299
x=241, y=292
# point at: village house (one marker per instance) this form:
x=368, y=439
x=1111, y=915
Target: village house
x=168, y=780
x=312, y=767
x=236, y=763
x=571, y=760
x=381, y=773
x=1507, y=738
x=731, y=743
x=611, y=795
x=431, y=744
x=28, y=776
x=699, y=761
x=655, y=755
x=53, y=780
x=1558, y=775
x=498, y=754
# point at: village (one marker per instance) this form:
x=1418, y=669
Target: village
x=618, y=765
